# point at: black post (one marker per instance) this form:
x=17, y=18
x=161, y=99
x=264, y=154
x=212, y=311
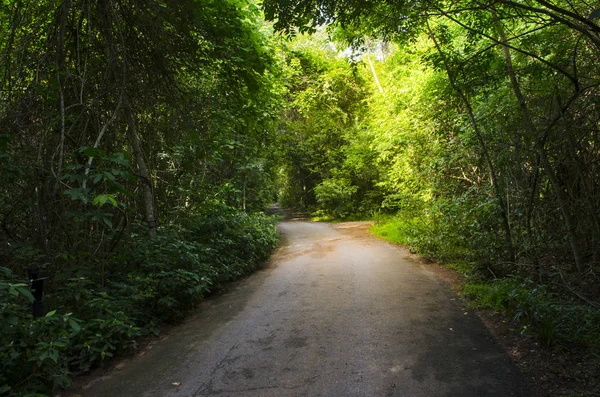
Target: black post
x=36, y=284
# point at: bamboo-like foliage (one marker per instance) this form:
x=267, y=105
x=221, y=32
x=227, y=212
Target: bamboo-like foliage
x=516, y=86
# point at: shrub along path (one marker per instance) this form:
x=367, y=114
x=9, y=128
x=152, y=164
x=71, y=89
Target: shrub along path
x=335, y=313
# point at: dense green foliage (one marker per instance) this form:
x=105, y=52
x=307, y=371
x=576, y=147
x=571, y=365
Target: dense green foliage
x=136, y=153
x=139, y=142
x=555, y=320
x=479, y=141
x=487, y=122
x=93, y=318
x=326, y=166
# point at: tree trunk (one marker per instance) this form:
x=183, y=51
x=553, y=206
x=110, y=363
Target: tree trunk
x=60, y=76
x=539, y=146
x=244, y=192
x=498, y=191
x=148, y=206
x=147, y=194
x=375, y=77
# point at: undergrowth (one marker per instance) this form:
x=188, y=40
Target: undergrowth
x=553, y=318
x=95, y=313
x=545, y=310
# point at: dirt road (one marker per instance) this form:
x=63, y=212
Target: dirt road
x=336, y=313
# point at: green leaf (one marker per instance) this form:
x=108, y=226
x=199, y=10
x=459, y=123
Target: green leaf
x=110, y=176
x=74, y=325
x=4, y=389
x=102, y=199
x=92, y=152
x=77, y=194
x=25, y=292
x=53, y=355
x=50, y=314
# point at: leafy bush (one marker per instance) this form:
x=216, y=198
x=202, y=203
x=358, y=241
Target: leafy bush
x=551, y=317
x=335, y=195
x=461, y=230
x=419, y=233
x=37, y=355
x=31, y=351
x=155, y=281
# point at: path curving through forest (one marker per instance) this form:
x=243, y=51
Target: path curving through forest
x=335, y=313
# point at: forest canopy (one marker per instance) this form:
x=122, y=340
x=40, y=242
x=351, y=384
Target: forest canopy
x=141, y=143
x=516, y=118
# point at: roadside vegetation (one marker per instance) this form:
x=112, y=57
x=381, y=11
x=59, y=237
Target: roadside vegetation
x=136, y=158
x=472, y=139
x=100, y=310
x=141, y=142
x=544, y=309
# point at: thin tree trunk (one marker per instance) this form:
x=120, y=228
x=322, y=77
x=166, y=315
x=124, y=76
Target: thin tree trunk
x=147, y=194
x=244, y=193
x=60, y=76
x=375, y=77
x=148, y=207
x=539, y=146
x=103, y=130
x=498, y=192
x=14, y=26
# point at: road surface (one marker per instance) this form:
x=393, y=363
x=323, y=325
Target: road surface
x=335, y=313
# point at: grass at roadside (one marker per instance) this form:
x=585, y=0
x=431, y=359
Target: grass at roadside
x=568, y=327
x=554, y=316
